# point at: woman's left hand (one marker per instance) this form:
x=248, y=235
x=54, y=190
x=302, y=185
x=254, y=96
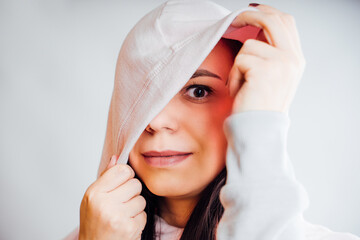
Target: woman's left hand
x=267, y=71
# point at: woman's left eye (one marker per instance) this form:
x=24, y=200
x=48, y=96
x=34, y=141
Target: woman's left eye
x=198, y=92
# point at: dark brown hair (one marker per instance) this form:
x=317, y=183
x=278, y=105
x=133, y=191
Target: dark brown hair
x=207, y=212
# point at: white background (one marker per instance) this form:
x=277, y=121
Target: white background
x=57, y=69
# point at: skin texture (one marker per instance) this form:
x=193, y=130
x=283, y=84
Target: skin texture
x=264, y=76
x=191, y=122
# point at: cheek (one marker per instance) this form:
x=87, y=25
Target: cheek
x=213, y=139
x=209, y=127
x=135, y=160
x=203, y=128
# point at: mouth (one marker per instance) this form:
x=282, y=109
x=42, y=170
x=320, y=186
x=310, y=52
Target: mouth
x=167, y=153
x=165, y=158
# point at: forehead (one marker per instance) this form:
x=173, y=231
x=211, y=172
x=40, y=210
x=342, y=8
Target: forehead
x=218, y=63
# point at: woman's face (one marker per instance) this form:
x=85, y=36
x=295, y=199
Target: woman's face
x=191, y=122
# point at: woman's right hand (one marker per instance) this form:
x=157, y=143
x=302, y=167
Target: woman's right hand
x=112, y=207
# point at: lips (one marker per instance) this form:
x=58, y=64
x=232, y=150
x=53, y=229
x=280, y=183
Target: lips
x=167, y=153
x=165, y=158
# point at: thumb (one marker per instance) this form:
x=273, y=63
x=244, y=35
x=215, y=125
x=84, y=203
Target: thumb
x=235, y=80
x=111, y=163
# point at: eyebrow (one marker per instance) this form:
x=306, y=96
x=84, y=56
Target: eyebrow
x=204, y=73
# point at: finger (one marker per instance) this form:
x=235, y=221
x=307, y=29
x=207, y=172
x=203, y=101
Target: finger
x=235, y=80
x=288, y=20
x=269, y=9
x=274, y=29
x=128, y=190
x=140, y=219
x=114, y=177
x=239, y=72
x=259, y=49
x=135, y=206
x=246, y=62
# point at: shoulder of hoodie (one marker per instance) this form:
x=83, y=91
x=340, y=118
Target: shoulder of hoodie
x=319, y=232
x=312, y=232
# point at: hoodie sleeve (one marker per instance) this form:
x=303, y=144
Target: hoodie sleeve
x=261, y=197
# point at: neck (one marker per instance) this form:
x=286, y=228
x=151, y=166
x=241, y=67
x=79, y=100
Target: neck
x=176, y=211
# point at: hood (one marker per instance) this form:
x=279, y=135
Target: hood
x=157, y=58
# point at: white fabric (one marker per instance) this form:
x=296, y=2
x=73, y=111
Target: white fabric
x=262, y=198
x=148, y=74
x=164, y=231
x=312, y=232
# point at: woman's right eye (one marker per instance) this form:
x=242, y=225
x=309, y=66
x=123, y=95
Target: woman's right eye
x=198, y=91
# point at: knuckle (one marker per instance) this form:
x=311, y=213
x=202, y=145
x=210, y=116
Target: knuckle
x=114, y=222
x=130, y=228
x=89, y=195
x=246, y=13
x=249, y=43
x=121, y=168
x=239, y=59
x=289, y=18
x=126, y=167
x=106, y=217
x=102, y=208
x=273, y=17
x=142, y=202
x=137, y=184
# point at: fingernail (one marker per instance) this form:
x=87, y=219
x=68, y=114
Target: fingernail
x=254, y=4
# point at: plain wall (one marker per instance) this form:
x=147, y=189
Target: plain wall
x=57, y=66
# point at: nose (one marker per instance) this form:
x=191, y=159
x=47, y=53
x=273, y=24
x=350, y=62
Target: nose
x=165, y=120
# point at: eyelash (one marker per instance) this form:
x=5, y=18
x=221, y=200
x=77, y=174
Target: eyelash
x=195, y=85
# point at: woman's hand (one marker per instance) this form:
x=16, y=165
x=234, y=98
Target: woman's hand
x=112, y=207
x=267, y=71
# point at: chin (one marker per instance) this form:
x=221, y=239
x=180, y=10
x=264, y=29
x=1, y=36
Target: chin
x=171, y=187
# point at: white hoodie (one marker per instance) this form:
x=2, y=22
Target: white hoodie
x=262, y=198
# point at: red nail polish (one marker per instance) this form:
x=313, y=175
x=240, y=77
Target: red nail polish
x=254, y=4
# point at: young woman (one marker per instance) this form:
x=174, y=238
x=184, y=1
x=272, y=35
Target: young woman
x=196, y=138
